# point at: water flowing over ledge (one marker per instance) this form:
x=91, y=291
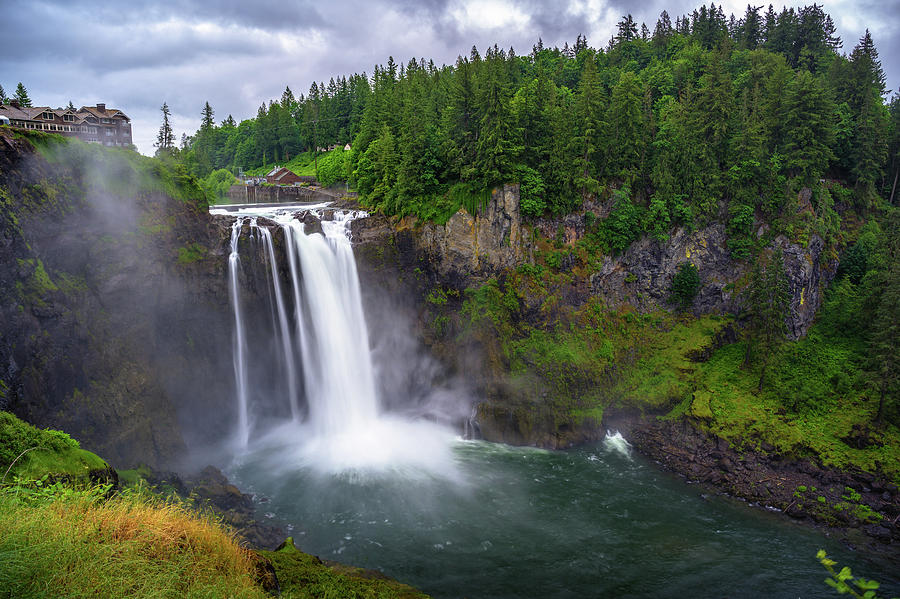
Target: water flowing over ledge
x=325, y=413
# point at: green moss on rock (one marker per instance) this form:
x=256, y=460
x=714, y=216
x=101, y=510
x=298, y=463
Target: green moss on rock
x=306, y=576
x=30, y=453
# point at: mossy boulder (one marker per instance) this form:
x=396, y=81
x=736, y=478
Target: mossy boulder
x=303, y=575
x=31, y=453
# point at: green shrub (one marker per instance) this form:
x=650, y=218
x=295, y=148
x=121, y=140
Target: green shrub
x=531, y=191
x=685, y=285
x=217, y=184
x=332, y=167
x=17, y=436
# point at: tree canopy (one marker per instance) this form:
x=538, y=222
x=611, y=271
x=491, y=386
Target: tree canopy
x=703, y=113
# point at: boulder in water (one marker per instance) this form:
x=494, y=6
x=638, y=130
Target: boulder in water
x=311, y=223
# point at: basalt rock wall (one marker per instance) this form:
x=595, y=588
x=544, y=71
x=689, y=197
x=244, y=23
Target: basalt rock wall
x=114, y=319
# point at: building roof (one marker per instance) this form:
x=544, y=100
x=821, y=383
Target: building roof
x=105, y=113
x=14, y=113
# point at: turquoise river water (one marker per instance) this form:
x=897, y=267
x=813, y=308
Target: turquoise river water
x=504, y=522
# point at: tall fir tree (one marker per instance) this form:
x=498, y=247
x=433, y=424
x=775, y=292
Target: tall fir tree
x=869, y=144
x=165, y=138
x=626, y=130
x=22, y=96
x=587, y=140
x=766, y=304
x=809, y=117
x=206, y=120
x=885, y=332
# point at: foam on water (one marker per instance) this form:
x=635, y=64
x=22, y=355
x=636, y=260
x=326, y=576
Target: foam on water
x=615, y=442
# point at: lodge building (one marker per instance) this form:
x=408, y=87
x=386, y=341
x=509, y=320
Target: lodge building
x=93, y=124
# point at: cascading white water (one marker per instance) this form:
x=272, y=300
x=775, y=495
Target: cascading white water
x=240, y=366
x=338, y=343
x=287, y=346
x=344, y=429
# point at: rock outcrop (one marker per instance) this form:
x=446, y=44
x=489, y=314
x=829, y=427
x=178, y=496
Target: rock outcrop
x=477, y=245
x=642, y=275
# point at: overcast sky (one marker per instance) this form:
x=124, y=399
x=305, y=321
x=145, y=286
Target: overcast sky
x=236, y=54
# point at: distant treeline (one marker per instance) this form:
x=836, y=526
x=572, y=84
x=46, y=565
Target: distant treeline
x=702, y=109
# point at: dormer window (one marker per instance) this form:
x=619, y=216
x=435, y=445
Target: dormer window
x=69, y=118
x=47, y=116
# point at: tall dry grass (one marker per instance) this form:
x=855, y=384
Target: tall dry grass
x=74, y=544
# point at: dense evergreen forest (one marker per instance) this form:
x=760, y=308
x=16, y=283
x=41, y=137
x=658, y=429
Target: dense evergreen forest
x=703, y=108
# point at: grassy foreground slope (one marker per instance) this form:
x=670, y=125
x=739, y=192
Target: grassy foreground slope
x=62, y=535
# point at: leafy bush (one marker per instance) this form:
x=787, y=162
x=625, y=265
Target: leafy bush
x=739, y=230
x=623, y=225
x=844, y=582
x=217, y=184
x=17, y=436
x=685, y=285
x=332, y=168
x=531, y=191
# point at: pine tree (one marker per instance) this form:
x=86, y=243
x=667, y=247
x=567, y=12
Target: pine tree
x=71, y=106
x=494, y=151
x=869, y=145
x=626, y=128
x=894, y=149
x=767, y=303
x=627, y=29
x=207, y=121
x=885, y=340
x=809, y=117
x=587, y=140
x=751, y=32
x=2, y=95
x=663, y=30
x=165, y=139
x=22, y=96
x=287, y=98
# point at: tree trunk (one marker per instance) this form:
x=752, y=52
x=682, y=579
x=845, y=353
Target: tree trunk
x=747, y=353
x=879, y=417
x=894, y=187
x=762, y=376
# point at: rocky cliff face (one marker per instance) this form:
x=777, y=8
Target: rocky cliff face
x=113, y=305
x=475, y=245
x=417, y=259
x=468, y=249
x=642, y=275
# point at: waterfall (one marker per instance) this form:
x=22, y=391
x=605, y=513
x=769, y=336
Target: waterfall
x=240, y=348
x=328, y=333
x=316, y=365
x=287, y=346
x=337, y=370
